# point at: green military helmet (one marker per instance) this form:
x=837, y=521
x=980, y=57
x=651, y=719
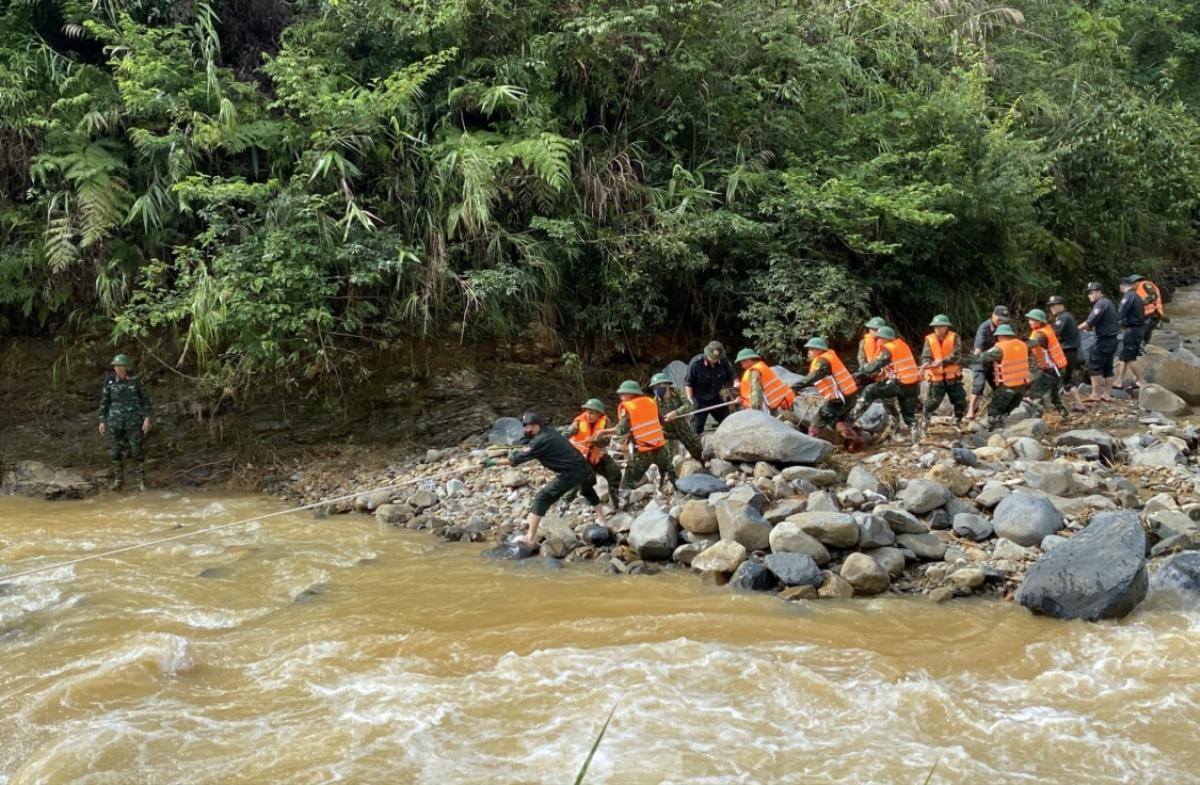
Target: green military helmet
x=747, y=354
x=629, y=387
x=941, y=320
x=816, y=342
x=887, y=333
x=121, y=359
x=594, y=404
x=1037, y=314
x=1136, y=278
x=1005, y=330
x=875, y=323
x=660, y=378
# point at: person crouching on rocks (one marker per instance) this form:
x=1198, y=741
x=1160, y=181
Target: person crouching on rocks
x=571, y=469
x=838, y=391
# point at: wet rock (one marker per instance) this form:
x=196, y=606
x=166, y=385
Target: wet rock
x=30, y=478
x=557, y=548
x=743, y=523
x=506, y=431
x=901, y=521
x=756, y=436
x=1099, y=573
x=785, y=509
x=374, y=500
x=1027, y=449
x=794, y=569
x=1052, y=478
x=921, y=496
x=1180, y=573
x=722, y=556
x=698, y=517
x=834, y=587
x=1155, y=398
x=863, y=480
x=892, y=560
x=514, y=550
x=392, y=514
x=941, y=594
x=927, y=547
x=874, y=532
x=953, y=478
x=1025, y=519
x=597, y=534
x=753, y=576
x=972, y=527
x=832, y=529
x=654, y=533
x=701, y=485
x=208, y=572
x=865, y=575
x=795, y=593
x=788, y=537
x=311, y=593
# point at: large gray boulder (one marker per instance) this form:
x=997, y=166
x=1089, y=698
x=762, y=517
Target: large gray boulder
x=1099, y=573
x=742, y=523
x=1180, y=573
x=701, y=485
x=30, y=478
x=788, y=537
x=506, y=431
x=921, y=496
x=654, y=533
x=1156, y=398
x=1179, y=376
x=1025, y=519
x=794, y=569
x=832, y=529
x=757, y=436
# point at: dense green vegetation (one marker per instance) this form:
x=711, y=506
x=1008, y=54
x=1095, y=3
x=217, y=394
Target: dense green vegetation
x=261, y=186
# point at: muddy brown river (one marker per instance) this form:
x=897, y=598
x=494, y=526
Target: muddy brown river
x=204, y=661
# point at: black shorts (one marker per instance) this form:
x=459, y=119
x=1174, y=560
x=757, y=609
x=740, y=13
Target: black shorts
x=1131, y=345
x=1068, y=373
x=1100, y=361
x=585, y=478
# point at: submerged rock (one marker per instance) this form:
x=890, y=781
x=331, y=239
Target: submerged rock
x=1180, y=573
x=510, y=550
x=1099, y=573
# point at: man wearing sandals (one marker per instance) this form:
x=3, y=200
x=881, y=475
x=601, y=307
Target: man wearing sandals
x=1104, y=321
x=1132, y=316
x=1067, y=330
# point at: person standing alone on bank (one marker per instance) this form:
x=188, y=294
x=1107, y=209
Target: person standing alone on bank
x=1104, y=321
x=124, y=416
x=710, y=380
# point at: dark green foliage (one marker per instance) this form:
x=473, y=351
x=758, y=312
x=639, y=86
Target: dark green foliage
x=263, y=187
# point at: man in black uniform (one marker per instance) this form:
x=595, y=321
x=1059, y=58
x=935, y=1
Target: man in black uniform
x=1103, y=320
x=1067, y=331
x=710, y=380
x=981, y=370
x=1132, y=317
x=557, y=454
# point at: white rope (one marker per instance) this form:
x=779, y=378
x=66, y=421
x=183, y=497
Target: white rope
x=185, y=535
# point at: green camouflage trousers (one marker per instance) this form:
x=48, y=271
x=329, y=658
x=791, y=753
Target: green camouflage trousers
x=835, y=411
x=939, y=390
x=679, y=430
x=636, y=469
x=1048, y=384
x=1004, y=400
x=125, y=433
x=907, y=395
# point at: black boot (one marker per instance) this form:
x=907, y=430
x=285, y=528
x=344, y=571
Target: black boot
x=141, y=476
x=118, y=480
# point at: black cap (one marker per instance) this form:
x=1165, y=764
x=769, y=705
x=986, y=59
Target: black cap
x=532, y=418
x=1001, y=311
x=1056, y=300
x=1095, y=286
x=1129, y=280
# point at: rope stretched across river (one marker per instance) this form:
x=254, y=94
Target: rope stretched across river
x=219, y=527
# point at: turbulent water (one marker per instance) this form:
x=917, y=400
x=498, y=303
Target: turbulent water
x=204, y=661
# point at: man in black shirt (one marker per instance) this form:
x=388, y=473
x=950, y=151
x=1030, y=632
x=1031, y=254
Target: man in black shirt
x=551, y=448
x=710, y=380
x=1067, y=331
x=1103, y=320
x=1132, y=317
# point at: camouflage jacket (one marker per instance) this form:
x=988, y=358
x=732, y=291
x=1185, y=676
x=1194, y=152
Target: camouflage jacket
x=123, y=401
x=672, y=402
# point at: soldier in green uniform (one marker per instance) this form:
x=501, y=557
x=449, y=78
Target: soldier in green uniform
x=580, y=432
x=943, y=371
x=1012, y=382
x=648, y=447
x=673, y=409
x=907, y=395
x=124, y=416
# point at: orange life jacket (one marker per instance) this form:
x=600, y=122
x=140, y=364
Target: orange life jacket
x=777, y=394
x=644, y=426
x=871, y=344
x=584, y=430
x=940, y=349
x=838, y=386
x=1052, y=355
x=1013, y=369
x=903, y=367
x=1155, y=307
